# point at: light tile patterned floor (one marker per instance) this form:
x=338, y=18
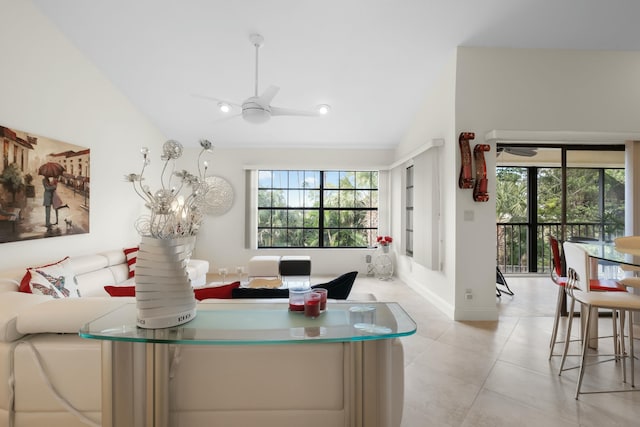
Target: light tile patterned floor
x=497, y=373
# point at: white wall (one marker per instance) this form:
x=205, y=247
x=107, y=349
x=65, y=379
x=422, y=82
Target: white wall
x=222, y=239
x=536, y=90
x=513, y=89
x=436, y=120
x=48, y=88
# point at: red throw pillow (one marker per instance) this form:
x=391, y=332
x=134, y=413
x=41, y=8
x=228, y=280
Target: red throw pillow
x=132, y=256
x=220, y=292
x=26, y=279
x=121, y=291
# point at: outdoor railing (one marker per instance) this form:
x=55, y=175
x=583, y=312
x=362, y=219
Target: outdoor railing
x=515, y=251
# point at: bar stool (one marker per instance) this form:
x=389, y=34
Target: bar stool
x=597, y=285
x=578, y=268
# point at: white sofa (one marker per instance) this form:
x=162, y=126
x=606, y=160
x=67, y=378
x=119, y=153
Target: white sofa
x=51, y=377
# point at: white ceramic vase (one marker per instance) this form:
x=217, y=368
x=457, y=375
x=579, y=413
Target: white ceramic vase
x=164, y=296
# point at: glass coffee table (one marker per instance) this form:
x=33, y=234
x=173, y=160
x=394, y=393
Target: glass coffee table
x=144, y=353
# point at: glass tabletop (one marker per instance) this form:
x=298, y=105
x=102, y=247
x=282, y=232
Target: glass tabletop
x=260, y=323
x=607, y=251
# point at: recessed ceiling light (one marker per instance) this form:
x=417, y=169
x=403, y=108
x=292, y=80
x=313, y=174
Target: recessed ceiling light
x=323, y=109
x=224, y=107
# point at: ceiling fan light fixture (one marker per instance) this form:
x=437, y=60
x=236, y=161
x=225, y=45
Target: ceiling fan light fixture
x=255, y=115
x=323, y=109
x=224, y=107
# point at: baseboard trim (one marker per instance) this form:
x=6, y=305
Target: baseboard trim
x=479, y=314
x=457, y=314
x=433, y=298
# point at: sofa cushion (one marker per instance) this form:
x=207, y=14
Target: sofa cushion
x=264, y=266
x=259, y=293
x=340, y=287
x=261, y=282
x=52, y=371
x=57, y=280
x=132, y=256
x=92, y=283
x=65, y=315
x=295, y=265
x=219, y=292
x=83, y=264
x=197, y=270
x=11, y=305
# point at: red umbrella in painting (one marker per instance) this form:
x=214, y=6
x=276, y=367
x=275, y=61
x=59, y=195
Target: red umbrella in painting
x=51, y=169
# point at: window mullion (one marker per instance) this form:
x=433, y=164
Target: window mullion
x=321, y=213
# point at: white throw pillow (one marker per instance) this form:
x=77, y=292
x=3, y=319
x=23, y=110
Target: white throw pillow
x=57, y=280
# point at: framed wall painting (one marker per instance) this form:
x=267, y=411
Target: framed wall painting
x=44, y=187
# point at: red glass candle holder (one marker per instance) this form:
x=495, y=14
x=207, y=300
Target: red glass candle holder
x=312, y=303
x=296, y=299
x=323, y=294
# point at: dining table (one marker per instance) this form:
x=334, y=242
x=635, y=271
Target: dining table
x=608, y=255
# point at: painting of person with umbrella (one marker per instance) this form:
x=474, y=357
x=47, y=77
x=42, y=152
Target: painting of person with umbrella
x=65, y=172
x=51, y=171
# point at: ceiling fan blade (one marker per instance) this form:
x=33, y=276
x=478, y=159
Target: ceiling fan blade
x=517, y=151
x=521, y=151
x=211, y=98
x=268, y=95
x=227, y=118
x=278, y=111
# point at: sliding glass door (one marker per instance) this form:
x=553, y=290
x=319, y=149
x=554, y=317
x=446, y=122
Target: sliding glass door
x=564, y=191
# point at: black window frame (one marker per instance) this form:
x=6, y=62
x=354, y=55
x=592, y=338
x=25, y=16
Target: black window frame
x=322, y=210
x=537, y=253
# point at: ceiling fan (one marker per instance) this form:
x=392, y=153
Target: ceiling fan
x=257, y=108
x=518, y=151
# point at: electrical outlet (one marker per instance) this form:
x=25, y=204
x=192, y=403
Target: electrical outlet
x=367, y=259
x=468, y=295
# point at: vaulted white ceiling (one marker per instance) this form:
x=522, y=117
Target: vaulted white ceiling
x=373, y=61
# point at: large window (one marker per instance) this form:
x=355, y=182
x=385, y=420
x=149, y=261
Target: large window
x=317, y=209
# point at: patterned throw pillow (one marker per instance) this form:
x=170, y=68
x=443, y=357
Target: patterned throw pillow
x=132, y=256
x=25, y=283
x=56, y=281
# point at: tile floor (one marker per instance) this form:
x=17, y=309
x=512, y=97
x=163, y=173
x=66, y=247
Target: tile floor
x=497, y=373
